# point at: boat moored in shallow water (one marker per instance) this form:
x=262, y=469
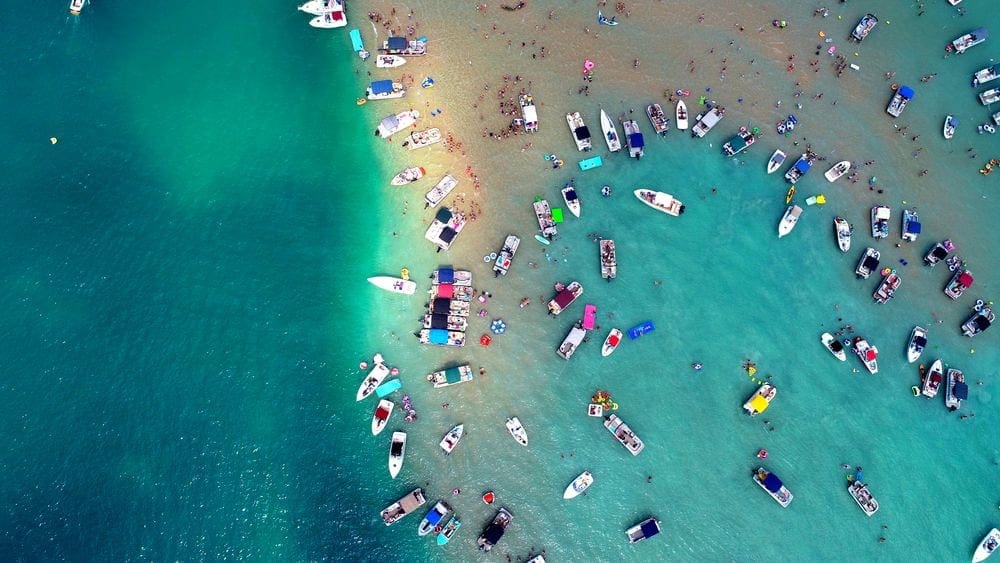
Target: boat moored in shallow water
x=956, y=391
x=408, y=175
x=395, y=123
x=449, y=529
x=374, y=378
x=437, y=514
x=986, y=547
x=410, y=502
x=660, y=201
x=571, y=198
x=959, y=284
x=609, y=259
x=864, y=27
x=611, y=343
x=933, y=379
x=837, y=170
x=775, y=162
x=452, y=438
x=981, y=320
x=645, y=529
x=624, y=434
x=939, y=252
x=760, y=400
x=397, y=451
x=867, y=353
x=886, y=289
x=681, y=115
x=880, y=221
x=843, y=231
x=834, y=346
x=517, y=431
x=971, y=39
x=659, y=120
x=382, y=413
x=917, y=342
x=440, y=191
x=610, y=133
x=492, y=534
x=528, y=113
x=911, y=225
x=333, y=19
x=705, y=122
x=506, y=255
x=789, y=220
x=565, y=297
x=773, y=486
x=861, y=495
x=900, y=98
x=450, y=376
x=581, y=134
x=868, y=263
x=633, y=139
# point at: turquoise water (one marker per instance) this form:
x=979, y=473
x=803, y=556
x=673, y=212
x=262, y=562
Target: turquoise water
x=186, y=304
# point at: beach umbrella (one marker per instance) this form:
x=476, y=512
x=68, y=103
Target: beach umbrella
x=498, y=326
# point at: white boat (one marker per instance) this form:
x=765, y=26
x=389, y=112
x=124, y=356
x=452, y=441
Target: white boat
x=886, y=289
x=389, y=61
x=996, y=117
x=609, y=259
x=933, y=380
x=569, y=344
x=990, y=96
x=624, y=434
x=704, y=123
x=837, y=170
x=868, y=263
x=410, y=174
x=452, y=438
x=861, y=495
x=528, y=112
x=581, y=134
x=404, y=47
x=760, y=400
x=395, y=123
x=506, y=255
x=447, y=224
x=580, y=484
x=834, y=346
x=915, y=346
x=959, y=284
x=374, y=377
x=949, y=126
x=492, y=534
x=572, y=199
x=911, y=225
x=987, y=546
x=939, y=252
x=970, y=39
x=76, y=6
x=681, y=115
x=610, y=133
x=546, y=224
x=864, y=27
x=450, y=376
x=880, y=221
x=331, y=20
x=517, y=431
x=773, y=486
x=565, y=297
x=611, y=342
x=867, y=353
x=436, y=517
x=449, y=529
x=421, y=139
x=659, y=120
x=633, y=139
x=980, y=320
x=775, y=162
x=385, y=90
x=985, y=75
x=956, y=390
x=788, y=220
x=645, y=529
x=660, y=201
x=395, y=285
x=440, y=191
x=382, y=413
x=410, y=502
x=397, y=451
x=843, y=231
x=320, y=7
x=900, y=98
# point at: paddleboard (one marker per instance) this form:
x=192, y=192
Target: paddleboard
x=388, y=387
x=543, y=240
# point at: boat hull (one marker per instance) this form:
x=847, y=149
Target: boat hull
x=397, y=452
x=394, y=285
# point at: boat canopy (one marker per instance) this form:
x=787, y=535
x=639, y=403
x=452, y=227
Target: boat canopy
x=882, y=212
x=441, y=306
x=582, y=133
x=982, y=322
x=913, y=227
x=381, y=413
x=443, y=215
x=447, y=235
x=564, y=298
x=571, y=195
x=396, y=43
x=981, y=34
x=802, y=165
x=759, y=404
x=446, y=275
x=635, y=140
x=965, y=279
x=493, y=534
x=439, y=320
x=961, y=391
x=906, y=92
x=871, y=355
x=452, y=375
x=390, y=123
x=650, y=528
x=446, y=290
x=437, y=336
x=772, y=483
x=381, y=87
x=530, y=114
x=939, y=252
x=433, y=517
x=870, y=262
x=920, y=341
x=737, y=143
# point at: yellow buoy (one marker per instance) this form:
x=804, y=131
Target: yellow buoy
x=53, y=140
x=822, y=34
x=405, y=273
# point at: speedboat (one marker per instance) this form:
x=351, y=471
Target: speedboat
x=410, y=502
x=681, y=115
x=385, y=90
x=660, y=201
x=939, y=252
x=492, y=534
x=861, y=495
x=775, y=162
x=886, y=289
x=411, y=174
x=506, y=255
x=633, y=139
x=611, y=342
x=389, y=61
x=970, y=39
x=397, y=451
x=959, y=284
x=435, y=516
x=837, y=170
x=447, y=224
x=987, y=546
x=899, y=100
x=381, y=416
x=833, y=345
x=868, y=263
x=705, y=122
x=576, y=336
x=609, y=259
x=449, y=529
x=773, y=486
x=581, y=134
x=452, y=438
x=864, y=27
x=979, y=321
x=421, y=139
x=571, y=199
x=843, y=231
x=867, y=353
x=396, y=123
x=645, y=529
x=624, y=434
x=450, y=376
x=319, y=7
x=578, y=485
x=565, y=297
x=659, y=120
x=880, y=221
x=933, y=380
x=517, y=431
x=440, y=191
x=801, y=167
x=915, y=346
x=990, y=96
x=610, y=133
x=760, y=400
x=374, y=377
x=788, y=220
x=911, y=225
x=528, y=112
x=949, y=126
x=956, y=391
x=76, y=6
x=739, y=142
x=393, y=284
x=332, y=19
x=985, y=75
